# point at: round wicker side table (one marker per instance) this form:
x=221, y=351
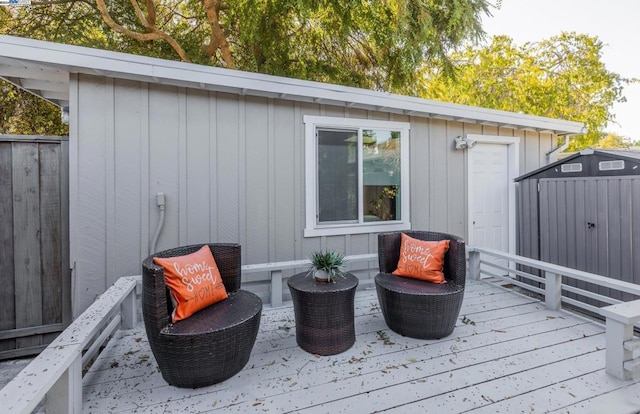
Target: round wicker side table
x=324, y=313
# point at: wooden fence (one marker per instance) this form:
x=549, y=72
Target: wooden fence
x=35, y=301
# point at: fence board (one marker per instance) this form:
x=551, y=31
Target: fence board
x=7, y=281
x=26, y=234
x=50, y=224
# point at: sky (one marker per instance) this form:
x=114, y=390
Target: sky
x=614, y=22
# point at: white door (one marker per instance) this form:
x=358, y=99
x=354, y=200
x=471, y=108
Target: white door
x=490, y=196
x=492, y=165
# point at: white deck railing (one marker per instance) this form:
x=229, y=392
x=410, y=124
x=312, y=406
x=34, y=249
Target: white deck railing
x=57, y=371
x=275, y=272
x=620, y=316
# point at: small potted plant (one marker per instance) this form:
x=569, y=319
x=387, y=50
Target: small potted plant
x=326, y=265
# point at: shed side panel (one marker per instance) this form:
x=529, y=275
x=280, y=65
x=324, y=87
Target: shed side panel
x=165, y=159
x=456, y=200
x=130, y=199
x=421, y=183
x=227, y=167
x=198, y=167
x=437, y=165
x=94, y=113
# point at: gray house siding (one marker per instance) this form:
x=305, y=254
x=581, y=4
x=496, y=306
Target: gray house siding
x=232, y=170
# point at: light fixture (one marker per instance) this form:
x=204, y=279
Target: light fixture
x=463, y=143
x=64, y=115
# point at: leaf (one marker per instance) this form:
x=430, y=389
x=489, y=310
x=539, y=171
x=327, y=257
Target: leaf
x=467, y=321
x=383, y=336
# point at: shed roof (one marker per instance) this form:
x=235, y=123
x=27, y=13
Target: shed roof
x=43, y=68
x=599, y=154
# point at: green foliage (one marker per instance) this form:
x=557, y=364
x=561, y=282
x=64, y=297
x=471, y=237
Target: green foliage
x=25, y=114
x=613, y=141
x=376, y=44
x=329, y=261
x=561, y=77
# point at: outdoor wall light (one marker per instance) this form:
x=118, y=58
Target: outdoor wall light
x=464, y=143
x=64, y=115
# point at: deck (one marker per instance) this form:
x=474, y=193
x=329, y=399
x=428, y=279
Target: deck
x=508, y=354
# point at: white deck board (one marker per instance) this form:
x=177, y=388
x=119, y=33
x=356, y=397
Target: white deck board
x=515, y=357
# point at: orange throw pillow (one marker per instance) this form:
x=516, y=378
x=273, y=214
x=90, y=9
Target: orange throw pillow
x=421, y=259
x=194, y=281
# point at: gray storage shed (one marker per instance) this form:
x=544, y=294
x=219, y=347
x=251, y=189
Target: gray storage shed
x=584, y=212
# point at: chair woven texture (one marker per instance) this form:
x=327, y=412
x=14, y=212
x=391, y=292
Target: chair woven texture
x=213, y=344
x=413, y=307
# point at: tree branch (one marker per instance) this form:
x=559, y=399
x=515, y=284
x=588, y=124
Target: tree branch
x=151, y=12
x=154, y=33
x=218, y=39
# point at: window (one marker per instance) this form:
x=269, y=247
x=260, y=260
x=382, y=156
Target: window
x=357, y=176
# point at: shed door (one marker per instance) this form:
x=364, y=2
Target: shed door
x=591, y=224
x=490, y=218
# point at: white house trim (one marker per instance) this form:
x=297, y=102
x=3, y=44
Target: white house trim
x=22, y=59
x=312, y=229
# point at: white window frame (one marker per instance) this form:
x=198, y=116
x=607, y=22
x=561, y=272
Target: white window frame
x=312, y=228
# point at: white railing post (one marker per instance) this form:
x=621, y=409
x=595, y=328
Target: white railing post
x=553, y=290
x=129, y=311
x=474, y=264
x=620, y=320
x=276, y=288
x=65, y=396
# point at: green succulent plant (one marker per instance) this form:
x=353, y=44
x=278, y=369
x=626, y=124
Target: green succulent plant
x=329, y=261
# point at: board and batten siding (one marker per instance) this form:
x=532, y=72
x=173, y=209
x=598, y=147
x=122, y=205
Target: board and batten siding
x=232, y=170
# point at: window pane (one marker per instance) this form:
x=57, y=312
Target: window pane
x=337, y=176
x=381, y=172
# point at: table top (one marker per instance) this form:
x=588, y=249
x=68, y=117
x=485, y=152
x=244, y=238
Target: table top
x=302, y=282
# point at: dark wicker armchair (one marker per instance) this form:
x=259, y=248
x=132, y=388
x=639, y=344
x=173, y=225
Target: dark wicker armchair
x=213, y=344
x=417, y=308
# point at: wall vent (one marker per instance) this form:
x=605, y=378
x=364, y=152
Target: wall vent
x=571, y=168
x=611, y=165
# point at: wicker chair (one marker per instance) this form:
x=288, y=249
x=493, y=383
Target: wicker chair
x=416, y=308
x=213, y=344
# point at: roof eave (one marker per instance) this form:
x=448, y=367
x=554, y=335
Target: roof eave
x=61, y=58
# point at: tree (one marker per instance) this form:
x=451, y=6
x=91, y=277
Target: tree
x=24, y=114
x=613, y=141
x=561, y=77
x=375, y=44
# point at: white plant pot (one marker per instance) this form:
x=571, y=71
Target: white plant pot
x=321, y=275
